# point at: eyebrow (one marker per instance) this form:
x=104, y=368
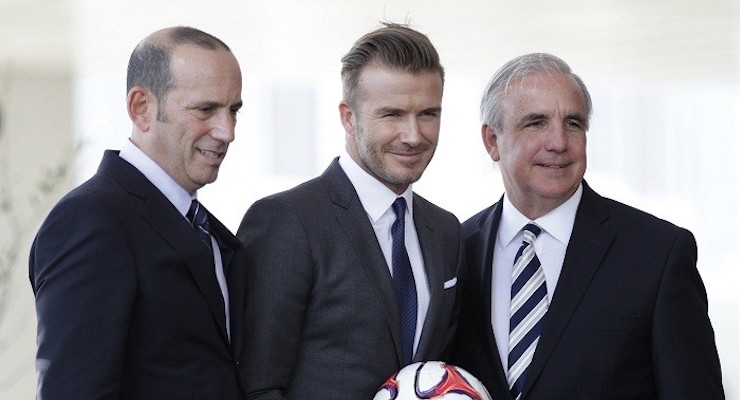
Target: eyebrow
x=216, y=104
x=386, y=110
x=539, y=116
x=532, y=117
x=431, y=109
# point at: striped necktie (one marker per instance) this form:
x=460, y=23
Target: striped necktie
x=199, y=219
x=528, y=307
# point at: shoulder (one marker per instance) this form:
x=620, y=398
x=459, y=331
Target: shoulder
x=475, y=223
x=99, y=195
x=624, y=217
x=306, y=197
x=434, y=212
x=634, y=227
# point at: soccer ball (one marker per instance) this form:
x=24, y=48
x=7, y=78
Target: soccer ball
x=432, y=380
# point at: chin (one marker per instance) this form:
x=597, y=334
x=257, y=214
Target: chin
x=559, y=192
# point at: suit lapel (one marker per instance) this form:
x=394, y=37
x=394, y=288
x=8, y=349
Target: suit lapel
x=353, y=219
x=173, y=228
x=480, y=245
x=588, y=245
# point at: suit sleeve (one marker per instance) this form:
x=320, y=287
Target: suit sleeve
x=685, y=360
x=83, y=278
x=280, y=281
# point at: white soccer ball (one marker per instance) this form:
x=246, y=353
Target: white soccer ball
x=432, y=380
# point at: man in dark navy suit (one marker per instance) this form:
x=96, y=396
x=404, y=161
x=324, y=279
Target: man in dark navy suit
x=621, y=311
x=138, y=289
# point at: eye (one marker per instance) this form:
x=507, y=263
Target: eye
x=573, y=124
x=535, y=124
x=205, y=111
x=430, y=113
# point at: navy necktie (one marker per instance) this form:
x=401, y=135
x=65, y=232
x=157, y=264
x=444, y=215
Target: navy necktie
x=403, y=278
x=528, y=307
x=199, y=219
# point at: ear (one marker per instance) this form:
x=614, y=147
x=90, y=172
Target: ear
x=346, y=115
x=489, y=141
x=141, y=106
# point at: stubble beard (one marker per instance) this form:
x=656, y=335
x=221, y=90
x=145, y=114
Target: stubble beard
x=372, y=157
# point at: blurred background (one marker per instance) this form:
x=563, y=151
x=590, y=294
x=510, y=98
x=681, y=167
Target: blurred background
x=664, y=76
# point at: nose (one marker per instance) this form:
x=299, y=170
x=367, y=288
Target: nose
x=557, y=139
x=223, y=128
x=410, y=133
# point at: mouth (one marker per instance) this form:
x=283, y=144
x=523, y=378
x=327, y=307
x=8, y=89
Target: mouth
x=408, y=156
x=553, y=166
x=211, y=154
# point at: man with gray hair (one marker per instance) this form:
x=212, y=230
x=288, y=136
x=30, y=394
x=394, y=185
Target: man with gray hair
x=353, y=275
x=139, y=294
x=570, y=295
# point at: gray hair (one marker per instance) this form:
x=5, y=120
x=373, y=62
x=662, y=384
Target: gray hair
x=490, y=106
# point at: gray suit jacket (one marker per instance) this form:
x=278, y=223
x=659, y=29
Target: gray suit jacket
x=323, y=317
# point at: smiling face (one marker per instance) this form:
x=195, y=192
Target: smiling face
x=541, y=144
x=188, y=132
x=392, y=132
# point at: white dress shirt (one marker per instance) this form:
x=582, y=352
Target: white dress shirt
x=181, y=199
x=550, y=247
x=377, y=200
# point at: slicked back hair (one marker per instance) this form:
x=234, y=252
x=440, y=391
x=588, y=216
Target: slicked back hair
x=528, y=64
x=149, y=64
x=395, y=46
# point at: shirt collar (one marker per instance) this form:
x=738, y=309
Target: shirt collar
x=175, y=193
x=558, y=223
x=375, y=197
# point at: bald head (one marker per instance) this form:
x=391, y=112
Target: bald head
x=149, y=65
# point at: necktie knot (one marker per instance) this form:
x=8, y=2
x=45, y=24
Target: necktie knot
x=399, y=208
x=199, y=219
x=531, y=231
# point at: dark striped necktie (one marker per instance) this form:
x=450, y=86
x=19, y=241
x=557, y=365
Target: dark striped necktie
x=199, y=219
x=528, y=307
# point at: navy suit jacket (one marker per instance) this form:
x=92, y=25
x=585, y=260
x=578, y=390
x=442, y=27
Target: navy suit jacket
x=324, y=320
x=127, y=299
x=628, y=318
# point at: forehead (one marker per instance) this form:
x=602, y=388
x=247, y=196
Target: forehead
x=381, y=82
x=191, y=64
x=545, y=93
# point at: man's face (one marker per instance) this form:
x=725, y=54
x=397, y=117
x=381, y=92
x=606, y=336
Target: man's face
x=196, y=120
x=392, y=132
x=541, y=146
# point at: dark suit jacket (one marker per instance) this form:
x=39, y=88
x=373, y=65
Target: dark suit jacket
x=324, y=322
x=127, y=299
x=628, y=318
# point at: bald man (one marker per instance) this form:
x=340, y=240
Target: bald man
x=134, y=295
